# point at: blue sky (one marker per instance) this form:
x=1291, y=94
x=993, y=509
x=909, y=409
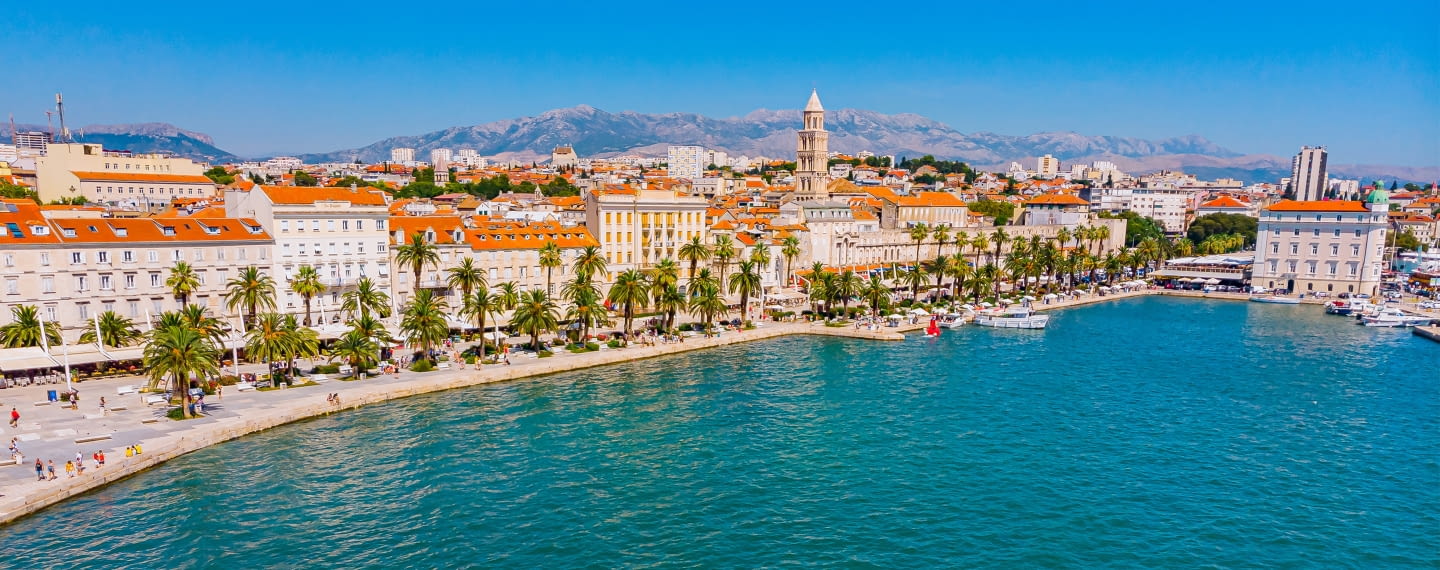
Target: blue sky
x=1256, y=77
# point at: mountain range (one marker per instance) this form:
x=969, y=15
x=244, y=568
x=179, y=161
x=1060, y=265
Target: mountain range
x=770, y=133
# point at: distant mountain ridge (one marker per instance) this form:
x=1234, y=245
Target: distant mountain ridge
x=144, y=138
x=769, y=133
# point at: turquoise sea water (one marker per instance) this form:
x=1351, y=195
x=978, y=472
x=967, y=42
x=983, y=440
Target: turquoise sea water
x=1143, y=433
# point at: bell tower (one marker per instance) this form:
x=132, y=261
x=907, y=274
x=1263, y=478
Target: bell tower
x=812, y=157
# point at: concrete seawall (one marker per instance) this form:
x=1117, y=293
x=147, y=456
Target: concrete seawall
x=1432, y=333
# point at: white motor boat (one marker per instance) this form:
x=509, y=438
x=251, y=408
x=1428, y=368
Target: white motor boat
x=1276, y=299
x=1392, y=317
x=954, y=320
x=1012, y=318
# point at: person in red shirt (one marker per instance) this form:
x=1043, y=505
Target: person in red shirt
x=14, y=417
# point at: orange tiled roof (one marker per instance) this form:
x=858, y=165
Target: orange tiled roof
x=25, y=215
x=312, y=194
x=143, y=177
x=173, y=230
x=1225, y=202
x=1318, y=206
x=518, y=235
x=443, y=226
x=1056, y=199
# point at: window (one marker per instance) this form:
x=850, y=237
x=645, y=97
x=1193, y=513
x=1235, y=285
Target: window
x=199, y=254
x=240, y=253
x=220, y=254
x=1294, y=248
x=127, y=256
x=44, y=258
x=1297, y=231
x=345, y=225
x=154, y=279
x=106, y=284
x=102, y=256
x=1357, y=233
x=1317, y=232
x=47, y=284
x=176, y=255
x=12, y=286
x=1277, y=232
x=157, y=306
x=1275, y=248
x=360, y=225
x=285, y=250
x=84, y=310
x=9, y=260
x=134, y=308
x=152, y=256
x=1310, y=268
x=330, y=225
x=284, y=225
x=81, y=283
x=315, y=225
x=77, y=257
x=1355, y=249
x=130, y=281
x=1337, y=232
x=108, y=306
x=1314, y=249
x=50, y=313
x=1334, y=249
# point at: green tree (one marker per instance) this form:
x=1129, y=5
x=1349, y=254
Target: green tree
x=477, y=306
x=115, y=330
x=724, y=252
x=790, y=248
x=631, y=289
x=417, y=254
x=918, y=233
x=14, y=191
x=220, y=176
x=177, y=353
x=1000, y=210
x=550, y=259
x=706, y=302
x=847, y=285
x=303, y=178
x=365, y=299
x=536, y=312
x=670, y=301
x=467, y=277
x=746, y=282
x=1138, y=228
x=24, y=328
x=1221, y=224
x=591, y=261
x=876, y=294
x=586, y=307
x=423, y=321
x=252, y=290
x=182, y=282
x=1406, y=240
x=307, y=285
x=357, y=350
x=694, y=251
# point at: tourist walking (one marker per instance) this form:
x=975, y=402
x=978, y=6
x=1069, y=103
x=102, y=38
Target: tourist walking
x=70, y=469
x=99, y=459
x=50, y=468
x=14, y=417
x=79, y=463
x=39, y=470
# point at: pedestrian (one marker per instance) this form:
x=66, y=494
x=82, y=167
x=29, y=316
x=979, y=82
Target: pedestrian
x=219, y=393
x=99, y=458
x=39, y=470
x=138, y=449
x=129, y=451
x=50, y=467
x=102, y=405
x=70, y=469
x=14, y=417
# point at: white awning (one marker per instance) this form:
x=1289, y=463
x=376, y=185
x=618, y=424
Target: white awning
x=80, y=354
x=127, y=353
x=27, y=358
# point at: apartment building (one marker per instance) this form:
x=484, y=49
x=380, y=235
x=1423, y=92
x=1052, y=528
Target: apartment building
x=341, y=232
x=76, y=268
x=1335, y=246
x=85, y=169
x=638, y=228
x=506, y=250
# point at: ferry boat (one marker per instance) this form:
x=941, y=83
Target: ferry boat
x=1012, y=318
x=1276, y=299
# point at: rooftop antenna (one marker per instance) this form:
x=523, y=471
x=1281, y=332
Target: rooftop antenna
x=50, y=125
x=60, y=110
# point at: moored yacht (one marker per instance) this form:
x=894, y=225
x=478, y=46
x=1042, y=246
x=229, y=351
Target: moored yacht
x=1012, y=318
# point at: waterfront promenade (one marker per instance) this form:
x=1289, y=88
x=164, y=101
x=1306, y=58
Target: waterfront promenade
x=51, y=432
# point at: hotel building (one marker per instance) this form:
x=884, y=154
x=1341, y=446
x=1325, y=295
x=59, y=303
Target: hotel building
x=1335, y=246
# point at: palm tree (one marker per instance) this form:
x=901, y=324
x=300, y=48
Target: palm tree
x=585, y=308
x=876, y=294
x=694, y=251
x=961, y=241
x=746, y=282
x=665, y=274
x=630, y=289
x=1063, y=236
x=962, y=272
x=942, y=236
x=724, y=252
x=24, y=328
x=915, y=278
x=252, y=289
x=760, y=254
x=824, y=289
x=999, y=237
x=940, y=268
x=1102, y=233
x=478, y=306
x=115, y=330
x=509, y=295
x=307, y=285
x=536, y=312
x=423, y=321
x=790, y=248
x=197, y=318
x=706, y=303
x=356, y=349
x=366, y=299
x=981, y=243
x=990, y=275
x=817, y=289
x=417, y=254
x=670, y=301
x=270, y=340
x=182, y=282
x=847, y=285
x=1114, y=264
x=550, y=259
x=591, y=262
x=466, y=276
x=176, y=353
x=918, y=233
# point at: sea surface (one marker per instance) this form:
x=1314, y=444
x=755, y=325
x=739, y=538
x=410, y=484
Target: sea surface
x=1154, y=433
